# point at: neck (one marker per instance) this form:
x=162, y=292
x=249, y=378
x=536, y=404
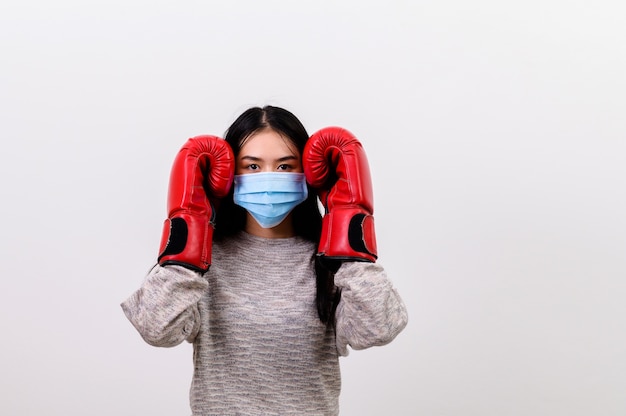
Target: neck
x=282, y=230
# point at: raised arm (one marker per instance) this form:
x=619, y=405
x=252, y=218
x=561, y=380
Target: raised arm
x=164, y=309
x=371, y=312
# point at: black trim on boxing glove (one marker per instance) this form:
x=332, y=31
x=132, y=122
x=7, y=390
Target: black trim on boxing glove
x=355, y=235
x=177, y=239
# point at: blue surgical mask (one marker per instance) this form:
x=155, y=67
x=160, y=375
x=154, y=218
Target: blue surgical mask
x=270, y=196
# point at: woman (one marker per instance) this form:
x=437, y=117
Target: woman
x=269, y=292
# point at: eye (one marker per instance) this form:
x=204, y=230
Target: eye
x=252, y=166
x=285, y=167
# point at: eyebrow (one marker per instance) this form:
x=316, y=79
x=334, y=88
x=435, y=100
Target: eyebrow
x=257, y=159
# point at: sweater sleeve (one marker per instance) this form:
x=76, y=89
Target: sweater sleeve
x=370, y=312
x=164, y=309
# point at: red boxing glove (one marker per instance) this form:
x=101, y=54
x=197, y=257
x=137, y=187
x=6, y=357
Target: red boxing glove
x=336, y=166
x=202, y=174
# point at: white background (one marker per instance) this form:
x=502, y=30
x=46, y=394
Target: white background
x=496, y=136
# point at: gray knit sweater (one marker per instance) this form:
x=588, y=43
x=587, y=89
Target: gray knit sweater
x=259, y=346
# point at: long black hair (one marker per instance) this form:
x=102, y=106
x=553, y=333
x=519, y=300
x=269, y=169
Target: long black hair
x=307, y=219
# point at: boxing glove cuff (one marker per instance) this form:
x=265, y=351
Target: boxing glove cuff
x=348, y=234
x=186, y=241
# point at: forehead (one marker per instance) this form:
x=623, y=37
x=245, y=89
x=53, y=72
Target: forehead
x=268, y=143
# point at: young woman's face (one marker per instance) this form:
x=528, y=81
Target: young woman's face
x=268, y=151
